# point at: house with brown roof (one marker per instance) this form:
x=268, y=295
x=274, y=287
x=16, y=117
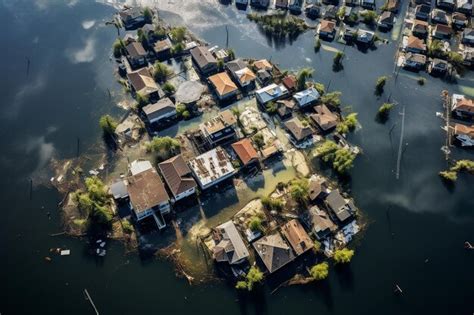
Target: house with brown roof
x=320, y=222
x=177, y=175
x=324, y=118
x=148, y=196
x=142, y=83
x=219, y=129
x=223, y=85
x=136, y=54
x=229, y=247
x=274, y=251
x=245, y=77
x=161, y=110
x=460, y=20
x=162, y=49
x=245, y=151
x=392, y=5
x=281, y=4
x=290, y=82
x=441, y=31
x=285, y=108
x=262, y=64
x=297, y=237
x=327, y=29
x=462, y=107
x=464, y=134
x=317, y=187
x=419, y=29
x=414, y=62
x=204, y=60
x=415, y=45
x=299, y=132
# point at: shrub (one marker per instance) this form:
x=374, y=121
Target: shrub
x=127, y=227
x=142, y=100
x=319, y=87
x=168, y=88
x=118, y=48
x=148, y=15
x=369, y=17
x=338, y=58
x=255, y=224
x=258, y=140
x=178, y=34
x=108, y=124
x=271, y=108
x=347, y=124
x=161, y=72
x=332, y=99
x=341, y=159
x=317, y=45
x=343, y=256
x=449, y=176
x=384, y=111
x=299, y=190
x=380, y=84
x=421, y=81
x=302, y=76
x=317, y=246
x=177, y=48
x=165, y=147
x=319, y=271
x=272, y=204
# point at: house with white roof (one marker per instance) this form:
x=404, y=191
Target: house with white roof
x=211, y=168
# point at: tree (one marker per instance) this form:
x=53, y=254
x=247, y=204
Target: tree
x=178, y=34
x=317, y=246
x=168, y=88
x=108, y=124
x=255, y=224
x=220, y=64
x=259, y=140
x=369, y=17
x=380, y=84
x=271, y=108
x=332, y=99
x=231, y=53
x=343, y=256
x=142, y=100
x=95, y=201
x=319, y=87
x=384, y=111
x=317, y=45
x=341, y=159
x=349, y=123
x=302, y=76
x=449, y=176
x=148, y=15
x=299, y=190
x=161, y=71
x=319, y=271
x=436, y=49
x=177, y=48
x=118, y=48
x=241, y=285
x=456, y=59
x=165, y=147
x=337, y=61
x=341, y=13
x=142, y=37
x=272, y=204
x=253, y=277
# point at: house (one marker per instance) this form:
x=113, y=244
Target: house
x=462, y=107
x=297, y=237
x=312, y=11
x=464, y=134
x=422, y=12
x=230, y=247
x=245, y=77
x=464, y=6
x=306, y=97
x=129, y=38
x=316, y=188
x=320, y=222
x=161, y=110
x=270, y=93
x=177, y=176
x=324, y=118
x=330, y=13
x=468, y=37
x=162, y=49
x=143, y=83
x=386, y=20
x=204, y=60
x=350, y=34
x=290, y=82
x=281, y=4
x=341, y=208
x=273, y=251
x=295, y=6
x=441, y=31
x=327, y=29
x=439, y=17
x=299, y=132
x=285, y=108
x=446, y=4
x=136, y=54
x=468, y=57
x=415, y=45
x=368, y=4
x=459, y=20
x=264, y=77
x=132, y=18
x=269, y=151
x=211, y=168
x=420, y=29
x=148, y=196
x=260, y=3
x=219, y=129
x=351, y=3
x=391, y=5
x=438, y=67
x=139, y=166
x=221, y=54
x=365, y=37
x=245, y=151
x=234, y=66
x=262, y=64
x=223, y=85
x=414, y=61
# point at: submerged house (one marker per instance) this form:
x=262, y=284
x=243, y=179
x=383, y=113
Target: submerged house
x=204, y=60
x=460, y=20
x=420, y=29
x=178, y=178
x=306, y=98
x=245, y=151
x=327, y=29
x=219, y=129
x=439, y=17
x=317, y=188
x=148, y=196
x=142, y=83
x=298, y=131
x=296, y=6
x=464, y=6
x=414, y=61
x=438, y=67
x=320, y=223
x=260, y=3
x=162, y=49
x=211, y=168
x=223, y=85
x=297, y=237
x=464, y=134
x=290, y=82
x=324, y=118
x=230, y=247
x=273, y=251
x=462, y=107
x=136, y=54
x=422, y=12
x=271, y=93
x=441, y=31
x=341, y=208
x=415, y=45
x=281, y=4
x=132, y=18
x=468, y=36
x=245, y=77
x=162, y=110
x=386, y=20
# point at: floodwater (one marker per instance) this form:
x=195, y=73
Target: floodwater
x=417, y=224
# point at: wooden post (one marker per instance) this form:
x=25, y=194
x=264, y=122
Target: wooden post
x=88, y=297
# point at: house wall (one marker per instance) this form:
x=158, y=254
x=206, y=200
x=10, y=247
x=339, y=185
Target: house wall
x=185, y=194
x=158, y=118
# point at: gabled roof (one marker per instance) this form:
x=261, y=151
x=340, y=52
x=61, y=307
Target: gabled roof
x=202, y=56
x=135, y=50
x=271, y=92
x=289, y=82
x=327, y=26
x=222, y=83
x=245, y=75
x=460, y=129
x=324, y=118
x=146, y=190
x=417, y=58
x=177, y=175
x=315, y=187
x=230, y=248
x=162, y=107
x=235, y=65
x=262, y=64
x=274, y=251
x=420, y=26
x=245, y=150
x=162, y=45
x=338, y=205
x=307, y=96
x=461, y=103
x=297, y=129
x=387, y=17
x=320, y=220
x=443, y=29
x=142, y=81
x=416, y=43
x=297, y=237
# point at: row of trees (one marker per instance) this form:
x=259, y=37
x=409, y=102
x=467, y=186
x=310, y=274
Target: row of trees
x=460, y=166
x=279, y=24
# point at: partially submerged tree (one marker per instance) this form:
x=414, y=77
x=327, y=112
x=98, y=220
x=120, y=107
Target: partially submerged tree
x=254, y=276
x=259, y=141
x=384, y=111
x=380, y=84
x=148, y=15
x=118, y=48
x=349, y=123
x=343, y=256
x=95, y=201
x=178, y=34
x=108, y=124
x=319, y=271
x=299, y=190
x=302, y=77
x=255, y=224
x=337, y=61
x=369, y=17
x=161, y=72
x=332, y=99
x=341, y=159
x=168, y=88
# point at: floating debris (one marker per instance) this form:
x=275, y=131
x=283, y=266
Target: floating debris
x=65, y=252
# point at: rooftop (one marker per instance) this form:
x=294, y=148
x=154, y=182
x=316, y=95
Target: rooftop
x=202, y=56
x=163, y=106
x=327, y=26
x=324, y=118
x=223, y=83
x=307, y=96
x=177, y=175
x=245, y=75
x=146, y=190
x=135, y=50
x=230, y=248
x=297, y=129
x=274, y=251
x=245, y=150
x=211, y=166
x=338, y=205
x=142, y=81
x=223, y=120
x=297, y=237
x=263, y=64
x=460, y=129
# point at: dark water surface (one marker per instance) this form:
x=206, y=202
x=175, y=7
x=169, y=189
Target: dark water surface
x=412, y=220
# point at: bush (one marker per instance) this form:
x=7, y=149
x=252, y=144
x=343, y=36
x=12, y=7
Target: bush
x=272, y=204
x=343, y=256
x=180, y=109
x=161, y=72
x=178, y=34
x=271, y=108
x=341, y=159
x=449, y=176
x=319, y=271
x=148, y=15
x=299, y=190
x=165, y=147
x=108, y=124
x=279, y=24
x=186, y=115
x=258, y=140
x=380, y=84
x=177, y=48
x=463, y=165
x=332, y=99
x=253, y=277
x=118, y=48
x=168, y=88
x=384, y=111
x=421, y=81
x=317, y=45
x=347, y=124
x=319, y=87
x=317, y=247
x=220, y=64
x=436, y=49
x=338, y=58
x=127, y=227
x=369, y=17
x=302, y=76
x=231, y=53
x=256, y=224
x=141, y=100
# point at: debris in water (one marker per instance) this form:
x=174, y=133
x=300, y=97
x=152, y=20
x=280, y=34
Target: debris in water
x=65, y=252
x=48, y=259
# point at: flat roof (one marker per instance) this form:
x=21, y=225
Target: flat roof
x=211, y=166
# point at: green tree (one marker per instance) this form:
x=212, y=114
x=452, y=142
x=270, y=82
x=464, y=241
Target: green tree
x=108, y=124
x=142, y=100
x=299, y=190
x=254, y=276
x=220, y=64
x=449, y=176
x=118, y=48
x=302, y=77
x=319, y=87
x=380, y=84
x=168, y=88
x=319, y=271
x=436, y=49
x=177, y=48
x=317, y=45
x=178, y=34
x=272, y=204
x=271, y=108
x=341, y=13
x=332, y=99
x=231, y=53
x=349, y=123
x=384, y=111
x=95, y=201
x=343, y=256
x=337, y=61
x=161, y=71
x=142, y=37
x=259, y=140
x=241, y=285
x=164, y=147
x=456, y=59
x=317, y=246
x=369, y=17
x=341, y=159
x=256, y=224
x=148, y=14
